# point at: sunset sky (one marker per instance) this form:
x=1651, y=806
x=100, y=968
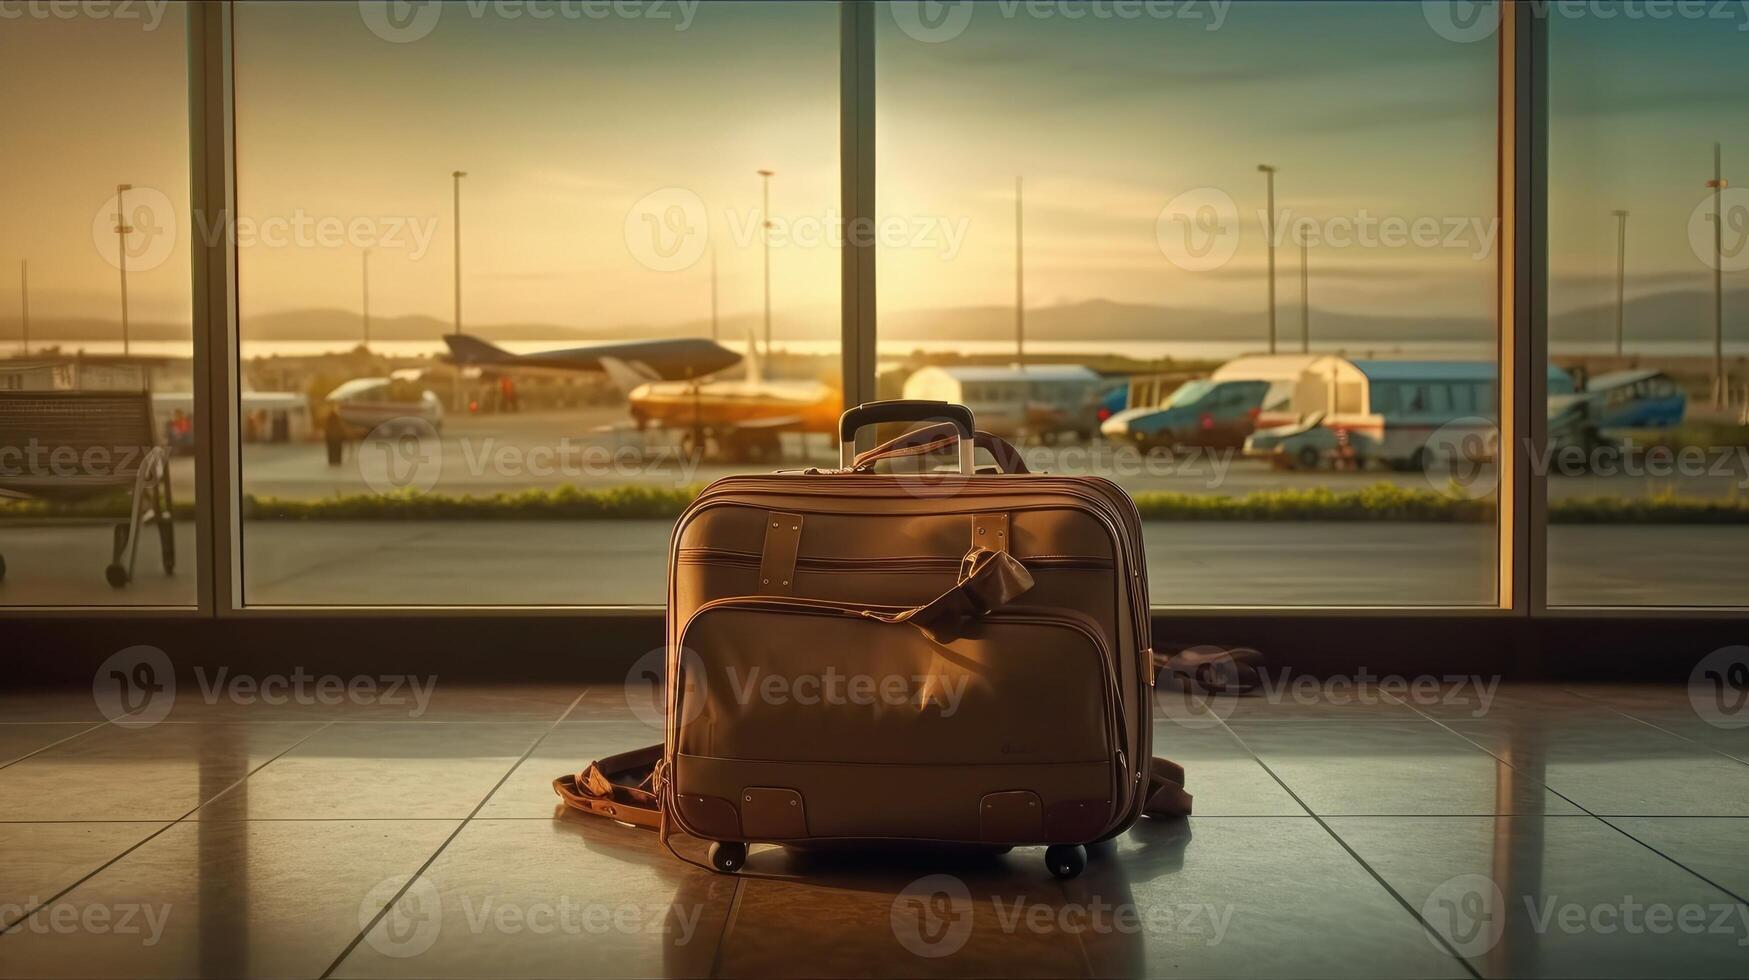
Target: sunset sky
x=564, y=125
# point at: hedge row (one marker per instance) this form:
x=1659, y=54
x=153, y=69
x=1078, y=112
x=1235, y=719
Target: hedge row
x=1378, y=502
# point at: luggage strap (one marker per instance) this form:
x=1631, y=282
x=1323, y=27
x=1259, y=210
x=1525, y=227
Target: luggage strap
x=622, y=787
x=989, y=579
x=602, y=788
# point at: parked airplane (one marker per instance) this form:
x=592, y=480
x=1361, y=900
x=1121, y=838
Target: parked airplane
x=667, y=386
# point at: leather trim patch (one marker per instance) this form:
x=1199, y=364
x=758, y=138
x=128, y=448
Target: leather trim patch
x=1076, y=821
x=713, y=817
x=990, y=531
x=1013, y=817
x=773, y=813
x=777, y=560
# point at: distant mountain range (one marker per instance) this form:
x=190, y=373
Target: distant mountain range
x=1679, y=315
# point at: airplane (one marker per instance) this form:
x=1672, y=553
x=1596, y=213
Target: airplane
x=649, y=360
x=667, y=385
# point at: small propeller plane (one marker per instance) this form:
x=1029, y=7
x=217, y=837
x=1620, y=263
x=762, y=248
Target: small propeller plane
x=668, y=385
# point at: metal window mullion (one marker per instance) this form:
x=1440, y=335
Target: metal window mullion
x=856, y=176
x=213, y=260
x=1523, y=390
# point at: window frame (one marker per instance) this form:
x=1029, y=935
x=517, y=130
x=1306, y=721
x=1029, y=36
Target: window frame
x=1522, y=157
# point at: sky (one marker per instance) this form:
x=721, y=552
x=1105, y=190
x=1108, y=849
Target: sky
x=608, y=159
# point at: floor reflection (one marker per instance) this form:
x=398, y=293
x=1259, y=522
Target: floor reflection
x=1547, y=832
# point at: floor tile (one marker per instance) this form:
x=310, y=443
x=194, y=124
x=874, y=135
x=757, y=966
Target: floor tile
x=1714, y=847
x=42, y=859
x=639, y=700
x=233, y=899
x=1690, y=727
x=1281, y=699
x=1223, y=778
x=1411, y=767
x=566, y=749
x=49, y=704
x=155, y=773
x=576, y=897
x=452, y=702
x=225, y=695
x=900, y=913
x=1244, y=897
x=401, y=770
x=1552, y=896
x=1616, y=765
x=19, y=740
x=1477, y=697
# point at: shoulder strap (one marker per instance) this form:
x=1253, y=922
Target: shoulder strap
x=619, y=787
x=1166, y=795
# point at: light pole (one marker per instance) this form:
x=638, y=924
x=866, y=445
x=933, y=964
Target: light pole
x=24, y=300
x=1305, y=302
x=1269, y=239
x=716, y=333
x=364, y=269
x=1621, y=274
x=1718, y=184
x=456, y=220
x=765, y=229
x=122, y=229
x=1019, y=282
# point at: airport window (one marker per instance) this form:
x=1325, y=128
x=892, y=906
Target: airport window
x=1134, y=242
x=1648, y=220
x=503, y=289
x=96, y=390
x=492, y=336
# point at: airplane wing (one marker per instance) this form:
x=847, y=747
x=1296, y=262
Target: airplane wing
x=627, y=376
x=669, y=359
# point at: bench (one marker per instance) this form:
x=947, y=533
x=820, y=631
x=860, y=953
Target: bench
x=67, y=446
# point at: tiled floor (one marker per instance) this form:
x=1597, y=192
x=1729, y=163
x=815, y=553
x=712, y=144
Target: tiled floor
x=1527, y=831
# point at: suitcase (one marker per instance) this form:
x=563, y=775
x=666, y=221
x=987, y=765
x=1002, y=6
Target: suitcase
x=888, y=652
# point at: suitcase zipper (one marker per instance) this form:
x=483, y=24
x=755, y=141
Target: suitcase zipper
x=921, y=564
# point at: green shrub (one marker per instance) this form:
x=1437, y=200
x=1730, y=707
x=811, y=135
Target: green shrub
x=1378, y=502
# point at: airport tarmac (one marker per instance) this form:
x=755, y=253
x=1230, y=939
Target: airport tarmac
x=491, y=453
x=623, y=562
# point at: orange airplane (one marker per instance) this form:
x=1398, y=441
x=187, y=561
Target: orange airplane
x=667, y=386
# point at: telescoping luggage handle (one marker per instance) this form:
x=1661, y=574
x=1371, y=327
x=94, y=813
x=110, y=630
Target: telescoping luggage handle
x=907, y=410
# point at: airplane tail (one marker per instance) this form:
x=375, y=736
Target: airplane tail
x=465, y=349
x=755, y=360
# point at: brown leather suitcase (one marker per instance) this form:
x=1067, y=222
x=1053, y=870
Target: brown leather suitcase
x=865, y=654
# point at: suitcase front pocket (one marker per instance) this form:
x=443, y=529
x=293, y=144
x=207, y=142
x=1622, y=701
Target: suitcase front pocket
x=1009, y=733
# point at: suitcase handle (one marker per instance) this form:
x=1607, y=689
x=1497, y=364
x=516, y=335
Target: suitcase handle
x=906, y=410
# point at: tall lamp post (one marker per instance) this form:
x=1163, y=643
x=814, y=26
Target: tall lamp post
x=715, y=330
x=1019, y=282
x=24, y=300
x=122, y=230
x=1269, y=240
x=1621, y=275
x=1718, y=184
x=1305, y=301
x=364, y=278
x=456, y=222
x=765, y=234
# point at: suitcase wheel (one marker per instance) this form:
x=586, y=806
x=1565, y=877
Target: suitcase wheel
x=728, y=856
x=1065, y=860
